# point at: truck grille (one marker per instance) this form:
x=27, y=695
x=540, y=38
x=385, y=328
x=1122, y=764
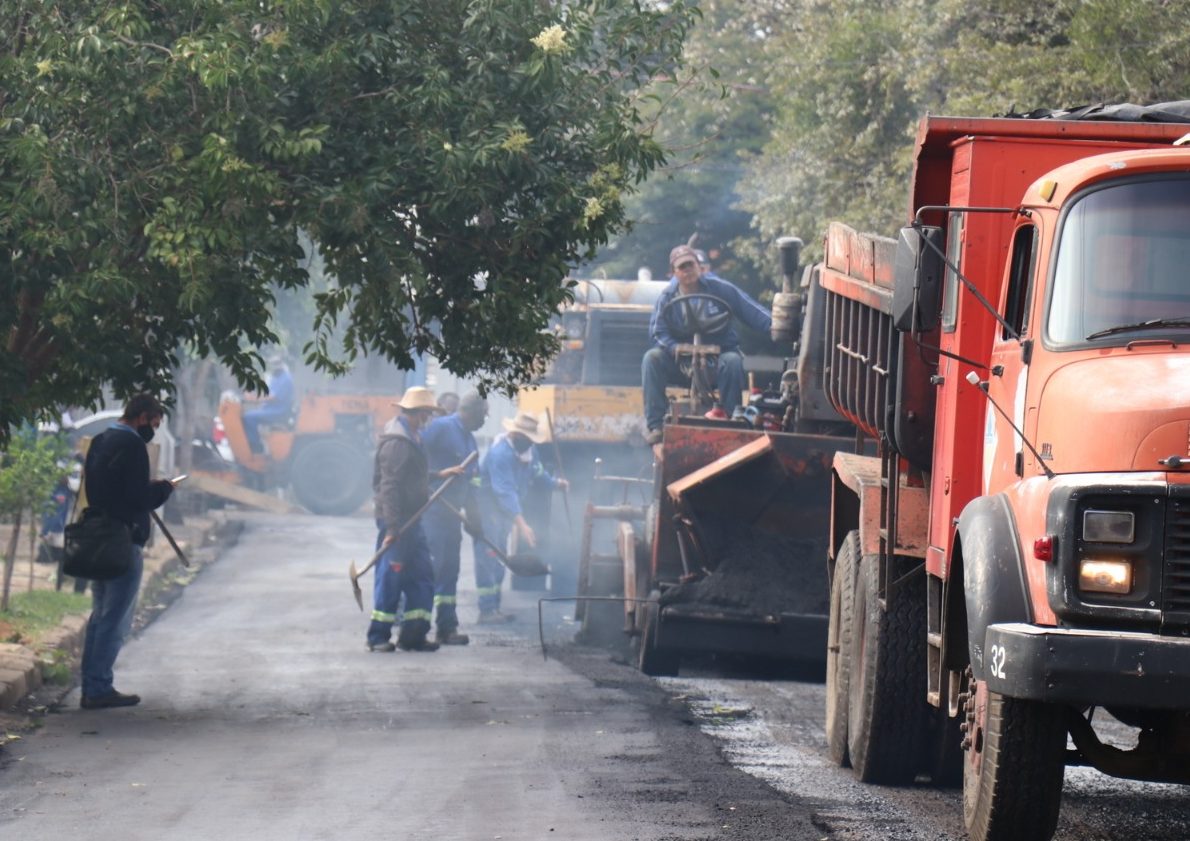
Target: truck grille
x=1175, y=574
x=616, y=342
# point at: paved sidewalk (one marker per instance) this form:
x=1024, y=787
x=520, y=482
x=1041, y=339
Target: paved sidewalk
x=22, y=666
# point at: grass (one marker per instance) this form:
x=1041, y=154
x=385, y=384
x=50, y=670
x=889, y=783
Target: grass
x=30, y=615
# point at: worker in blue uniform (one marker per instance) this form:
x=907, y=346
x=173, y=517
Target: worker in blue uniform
x=400, y=481
x=448, y=442
x=509, y=469
x=274, y=409
x=660, y=367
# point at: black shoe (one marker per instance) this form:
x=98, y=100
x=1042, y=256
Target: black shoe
x=452, y=638
x=418, y=645
x=382, y=647
x=111, y=699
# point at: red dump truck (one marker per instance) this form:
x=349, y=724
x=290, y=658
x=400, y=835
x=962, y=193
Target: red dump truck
x=1016, y=558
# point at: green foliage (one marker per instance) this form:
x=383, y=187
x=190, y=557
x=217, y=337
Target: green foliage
x=715, y=118
x=852, y=78
x=823, y=98
x=28, y=471
x=159, y=164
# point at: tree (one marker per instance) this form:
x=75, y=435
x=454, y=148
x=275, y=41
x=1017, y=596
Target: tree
x=716, y=118
x=28, y=472
x=450, y=159
x=851, y=78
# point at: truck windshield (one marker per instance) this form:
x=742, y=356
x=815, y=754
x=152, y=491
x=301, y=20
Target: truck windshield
x=1123, y=264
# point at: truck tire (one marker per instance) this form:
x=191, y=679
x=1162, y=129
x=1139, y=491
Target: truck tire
x=330, y=476
x=654, y=661
x=887, y=707
x=838, y=649
x=1012, y=772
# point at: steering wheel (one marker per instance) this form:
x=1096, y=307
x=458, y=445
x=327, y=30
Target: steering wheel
x=687, y=314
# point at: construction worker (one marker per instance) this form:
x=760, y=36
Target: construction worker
x=276, y=408
x=448, y=441
x=508, y=470
x=660, y=367
x=400, y=481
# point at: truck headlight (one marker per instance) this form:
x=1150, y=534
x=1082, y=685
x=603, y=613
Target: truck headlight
x=1098, y=575
x=1109, y=526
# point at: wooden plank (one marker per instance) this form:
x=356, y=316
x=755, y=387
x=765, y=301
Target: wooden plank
x=240, y=494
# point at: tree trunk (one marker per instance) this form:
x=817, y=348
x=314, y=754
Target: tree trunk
x=32, y=547
x=192, y=410
x=10, y=560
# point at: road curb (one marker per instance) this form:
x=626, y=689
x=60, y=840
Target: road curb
x=22, y=666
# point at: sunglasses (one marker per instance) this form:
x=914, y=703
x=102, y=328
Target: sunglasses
x=689, y=264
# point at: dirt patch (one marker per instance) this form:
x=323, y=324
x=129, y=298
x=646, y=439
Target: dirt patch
x=9, y=632
x=759, y=571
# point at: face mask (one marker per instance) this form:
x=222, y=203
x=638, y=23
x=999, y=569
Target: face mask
x=146, y=432
x=72, y=482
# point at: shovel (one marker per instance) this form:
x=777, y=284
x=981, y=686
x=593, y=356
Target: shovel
x=524, y=565
x=357, y=574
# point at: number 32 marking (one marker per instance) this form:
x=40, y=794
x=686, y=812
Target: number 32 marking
x=999, y=655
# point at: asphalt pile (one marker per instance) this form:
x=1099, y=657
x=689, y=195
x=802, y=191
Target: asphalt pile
x=758, y=571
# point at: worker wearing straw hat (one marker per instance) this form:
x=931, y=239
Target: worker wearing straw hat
x=401, y=484
x=509, y=469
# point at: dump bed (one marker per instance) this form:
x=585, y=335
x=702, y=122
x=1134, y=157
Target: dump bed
x=958, y=162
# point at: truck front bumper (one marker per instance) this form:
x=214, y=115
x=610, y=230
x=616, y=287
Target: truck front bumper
x=1101, y=668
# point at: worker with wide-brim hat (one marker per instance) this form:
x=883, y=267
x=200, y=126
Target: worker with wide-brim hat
x=510, y=468
x=400, y=482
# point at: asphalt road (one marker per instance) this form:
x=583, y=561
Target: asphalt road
x=265, y=718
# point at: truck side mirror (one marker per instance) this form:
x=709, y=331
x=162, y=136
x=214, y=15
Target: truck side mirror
x=917, y=279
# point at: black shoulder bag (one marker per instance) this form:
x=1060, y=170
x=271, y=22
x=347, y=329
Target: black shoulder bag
x=97, y=546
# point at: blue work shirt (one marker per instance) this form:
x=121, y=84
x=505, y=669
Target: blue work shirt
x=508, y=478
x=447, y=443
x=742, y=307
x=280, y=385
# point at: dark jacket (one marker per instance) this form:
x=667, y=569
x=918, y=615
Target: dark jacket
x=117, y=479
x=400, y=478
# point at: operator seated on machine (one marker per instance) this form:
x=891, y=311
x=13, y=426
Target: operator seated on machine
x=274, y=409
x=714, y=300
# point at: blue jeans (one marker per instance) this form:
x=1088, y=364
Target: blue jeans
x=253, y=418
x=405, y=569
x=444, y=533
x=113, y=604
x=489, y=571
x=658, y=369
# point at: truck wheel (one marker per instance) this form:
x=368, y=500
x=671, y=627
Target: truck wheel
x=330, y=476
x=887, y=706
x=652, y=660
x=838, y=649
x=1012, y=773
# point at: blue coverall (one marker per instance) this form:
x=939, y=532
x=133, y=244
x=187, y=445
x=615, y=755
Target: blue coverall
x=447, y=443
x=505, y=478
x=400, y=482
